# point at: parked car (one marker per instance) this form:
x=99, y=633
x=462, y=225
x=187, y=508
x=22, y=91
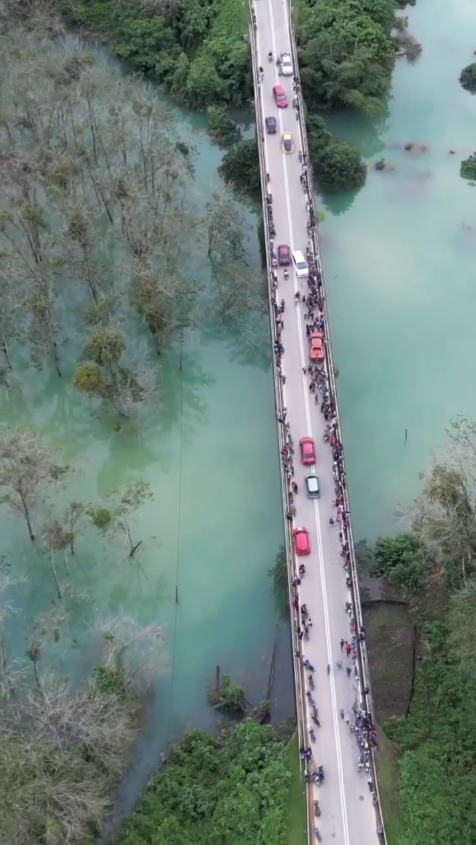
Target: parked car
x=312, y=487
x=284, y=255
x=271, y=125
x=317, y=353
x=308, y=451
x=280, y=97
x=301, y=541
x=287, y=143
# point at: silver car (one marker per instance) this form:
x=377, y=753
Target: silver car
x=312, y=487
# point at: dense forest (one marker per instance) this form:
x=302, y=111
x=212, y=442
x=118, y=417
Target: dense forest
x=198, y=50
x=433, y=568
x=241, y=794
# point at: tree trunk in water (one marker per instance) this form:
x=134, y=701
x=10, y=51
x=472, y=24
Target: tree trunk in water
x=37, y=677
x=55, y=578
x=26, y=514
x=134, y=548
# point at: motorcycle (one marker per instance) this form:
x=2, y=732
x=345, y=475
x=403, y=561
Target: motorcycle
x=317, y=809
x=312, y=734
x=317, y=834
x=270, y=56
x=311, y=682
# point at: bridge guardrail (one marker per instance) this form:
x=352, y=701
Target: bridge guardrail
x=279, y=404
x=362, y=656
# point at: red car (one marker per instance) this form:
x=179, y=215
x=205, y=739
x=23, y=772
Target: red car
x=308, y=451
x=301, y=541
x=280, y=97
x=284, y=255
x=316, y=352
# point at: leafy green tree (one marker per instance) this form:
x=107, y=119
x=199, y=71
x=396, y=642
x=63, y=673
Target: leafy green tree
x=399, y=560
x=468, y=167
x=242, y=791
x=240, y=167
x=468, y=78
x=221, y=127
x=346, y=56
x=461, y=616
x=106, y=377
x=339, y=167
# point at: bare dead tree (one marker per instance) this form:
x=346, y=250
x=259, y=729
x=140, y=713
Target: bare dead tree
x=28, y=472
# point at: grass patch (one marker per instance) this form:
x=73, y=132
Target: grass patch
x=389, y=635
x=386, y=761
x=297, y=821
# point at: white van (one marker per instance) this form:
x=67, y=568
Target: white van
x=300, y=264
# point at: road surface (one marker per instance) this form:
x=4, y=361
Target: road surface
x=348, y=816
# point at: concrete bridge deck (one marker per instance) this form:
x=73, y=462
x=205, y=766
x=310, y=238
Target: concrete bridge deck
x=348, y=812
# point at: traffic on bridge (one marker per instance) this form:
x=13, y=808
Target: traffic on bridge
x=338, y=726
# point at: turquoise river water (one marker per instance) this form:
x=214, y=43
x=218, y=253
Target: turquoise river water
x=398, y=264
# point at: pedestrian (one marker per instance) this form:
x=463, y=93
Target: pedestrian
x=331, y=521
x=339, y=664
x=348, y=670
x=342, y=644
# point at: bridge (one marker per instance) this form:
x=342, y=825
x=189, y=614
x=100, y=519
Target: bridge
x=339, y=688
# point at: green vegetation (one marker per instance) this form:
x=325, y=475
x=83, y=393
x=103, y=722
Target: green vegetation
x=297, y=808
x=434, y=566
x=65, y=746
x=217, y=791
x=240, y=167
x=468, y=167
x=468, y=78
x=346, y=53
x=338, y=165
x=221, y=128
x=197, y=50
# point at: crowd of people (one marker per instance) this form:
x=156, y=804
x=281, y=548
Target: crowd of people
x=321, y=386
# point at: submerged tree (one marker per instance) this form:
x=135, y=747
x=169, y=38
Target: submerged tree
x=28, y=471
x=444, y=516
x=115, y=516
x=106, y=377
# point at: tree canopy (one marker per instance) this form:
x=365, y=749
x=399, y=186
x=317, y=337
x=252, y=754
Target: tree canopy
x=240, y=795
x=346, y=54
x=434, y=565
x=468, y=78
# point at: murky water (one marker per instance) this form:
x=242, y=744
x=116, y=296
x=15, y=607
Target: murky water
x=210, y=454
x=399, y=267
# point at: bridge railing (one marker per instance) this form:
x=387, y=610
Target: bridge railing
x=299, y=680
x=362, y=656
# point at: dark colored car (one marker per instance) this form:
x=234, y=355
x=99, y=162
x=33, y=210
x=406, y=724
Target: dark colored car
x=271, y=125
x=280, y=97
x=284, y=255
